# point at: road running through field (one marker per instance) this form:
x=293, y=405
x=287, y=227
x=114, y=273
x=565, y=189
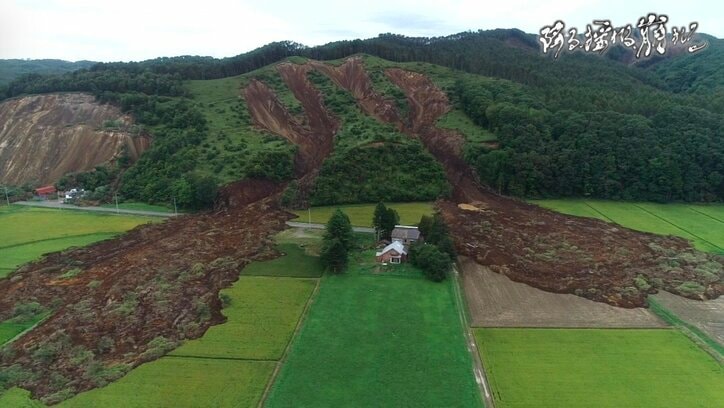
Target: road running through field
x=61, y=206
x=322, y=226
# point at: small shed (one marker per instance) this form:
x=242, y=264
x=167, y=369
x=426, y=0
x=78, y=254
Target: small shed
x=393, y=253
x=45, y=192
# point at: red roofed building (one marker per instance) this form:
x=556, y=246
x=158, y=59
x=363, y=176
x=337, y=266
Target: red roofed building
x=44, y=192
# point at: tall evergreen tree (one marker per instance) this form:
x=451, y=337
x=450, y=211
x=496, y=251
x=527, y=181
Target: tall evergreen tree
x=378, y=218
x=334, y=255
x=337, y=242
x=339, y=227
x=389, y=220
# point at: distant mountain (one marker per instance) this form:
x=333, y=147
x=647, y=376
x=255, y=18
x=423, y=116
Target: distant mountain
x=13, y=68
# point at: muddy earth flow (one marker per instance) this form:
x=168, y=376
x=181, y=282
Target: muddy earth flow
x=121, y=302
x=527, y=243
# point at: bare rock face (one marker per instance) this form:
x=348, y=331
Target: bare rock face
x=43, y=137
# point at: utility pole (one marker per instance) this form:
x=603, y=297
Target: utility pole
x=309, y=213
x=7, y=199
x=175, y=210
x=116, y=197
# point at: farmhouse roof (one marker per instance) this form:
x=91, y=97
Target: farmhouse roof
x=405, y=232
x=397, y=246
x=45, y=190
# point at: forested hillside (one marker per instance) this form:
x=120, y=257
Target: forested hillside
x=582, y=125
x=13, y=68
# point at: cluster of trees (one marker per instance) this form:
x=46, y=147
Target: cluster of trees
x=275, y=165
x=674, y=154
x=433, y=256
x=389, y=172
x=96, y=82
x=337, y=242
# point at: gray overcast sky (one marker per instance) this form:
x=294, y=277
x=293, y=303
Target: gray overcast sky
x=123, y=30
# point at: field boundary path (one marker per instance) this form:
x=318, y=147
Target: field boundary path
x=287, y=349
x=61, y=206
x=478, y=367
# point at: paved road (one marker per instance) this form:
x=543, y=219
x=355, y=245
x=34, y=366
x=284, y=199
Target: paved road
x=61, y=206
x=321, y=226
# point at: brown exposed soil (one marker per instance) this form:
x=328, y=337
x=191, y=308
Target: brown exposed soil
x=314, y=138
x=352, y=76
x=529, y=244
x=159, y=280
x=43, y=137
x=156, y=280
x=545, y=249
x=494, y=300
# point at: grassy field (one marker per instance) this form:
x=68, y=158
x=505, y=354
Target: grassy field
x=702, y=224
x=378, y=339
x=229, y=366
x=183, y=382
x=361, y=214
x=599, y=368
x=262, y=316
x=296, y=263
x=10, y=329
x=33, y=232
x=457, y=120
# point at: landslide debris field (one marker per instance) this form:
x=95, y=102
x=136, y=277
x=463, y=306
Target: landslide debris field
x=131, y=299
x=43, y=137
x=529, y=244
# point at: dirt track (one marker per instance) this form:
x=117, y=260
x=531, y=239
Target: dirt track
x=496, y=301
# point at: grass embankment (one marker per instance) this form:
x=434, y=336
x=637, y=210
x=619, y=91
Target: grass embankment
x=599, y=368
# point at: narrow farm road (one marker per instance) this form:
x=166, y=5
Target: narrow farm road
x=322, y=226
x=61, y=206
x=479, y=368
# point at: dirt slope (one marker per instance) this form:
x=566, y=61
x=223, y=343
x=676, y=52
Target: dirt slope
x=43, y=137
x=352, y=76
x=314, y=137
x=529, y=244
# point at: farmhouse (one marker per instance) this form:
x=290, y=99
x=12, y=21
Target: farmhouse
x=45, y=192
x=393, y=253
x=405, y=234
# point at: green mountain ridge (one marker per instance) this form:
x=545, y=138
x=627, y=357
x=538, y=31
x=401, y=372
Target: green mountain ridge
x=582, y=125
